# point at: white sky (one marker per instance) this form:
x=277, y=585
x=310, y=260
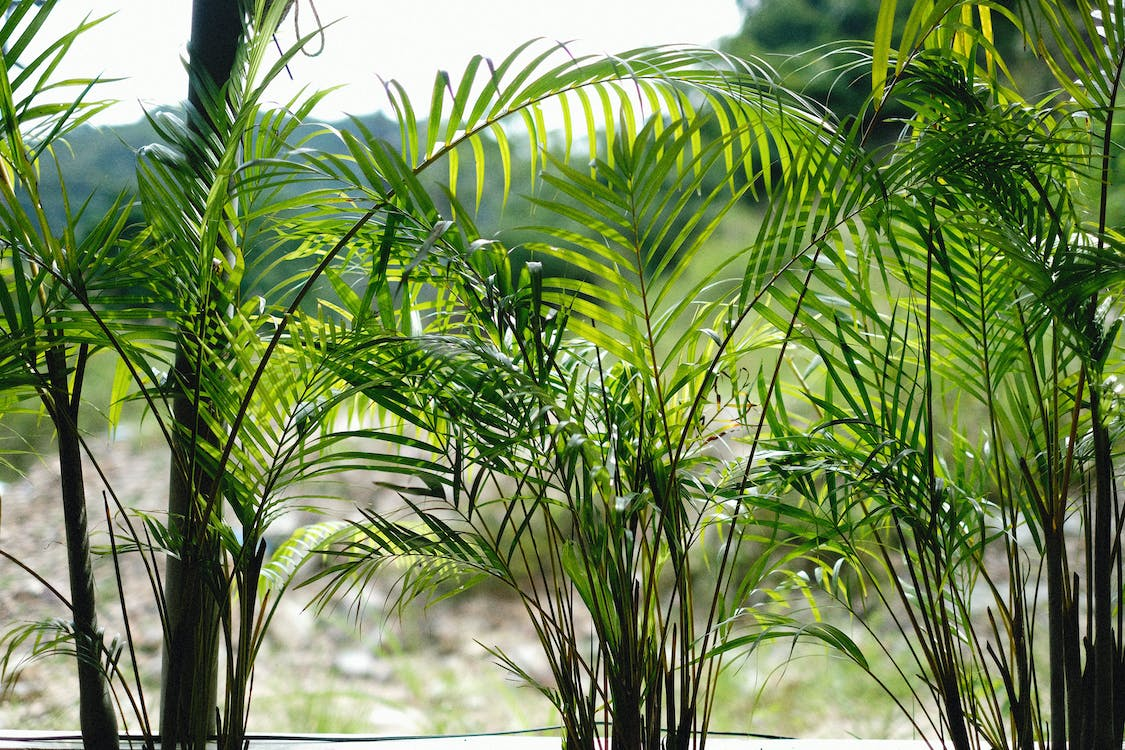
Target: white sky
x=409, y=40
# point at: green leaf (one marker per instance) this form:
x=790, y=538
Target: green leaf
x=434, y=117
x=881, y=48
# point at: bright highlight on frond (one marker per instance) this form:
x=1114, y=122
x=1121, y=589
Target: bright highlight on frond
x=580, y=106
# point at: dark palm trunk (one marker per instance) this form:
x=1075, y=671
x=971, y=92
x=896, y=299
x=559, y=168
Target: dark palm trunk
x=190, y=664
x=95, y=707
x=1057, y=634
x=190, y=678
x=1104, y=656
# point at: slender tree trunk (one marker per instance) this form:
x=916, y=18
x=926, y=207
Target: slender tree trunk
x=190, y=679
x=190, y=665
x=1105, y=648
x=1056, y=623
x=97, y=717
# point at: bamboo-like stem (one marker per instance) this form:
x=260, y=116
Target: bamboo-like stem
x=190, y=664
x=1104, y=649
x=96, y=712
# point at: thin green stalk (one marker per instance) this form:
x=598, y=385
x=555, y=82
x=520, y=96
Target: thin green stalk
x=240, y=655
x=137, y=694
x=946, y=645
x=1018, y=651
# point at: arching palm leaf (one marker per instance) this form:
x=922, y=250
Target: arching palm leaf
x=574, y=407
x=985, y=243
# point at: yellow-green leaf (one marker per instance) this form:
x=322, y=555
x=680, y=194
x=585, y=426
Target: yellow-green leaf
x=986, y=30
x=881, y=54
x=122, y=379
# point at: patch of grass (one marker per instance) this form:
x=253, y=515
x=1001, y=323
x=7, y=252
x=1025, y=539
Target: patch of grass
x=805, y=692
x=332, y=710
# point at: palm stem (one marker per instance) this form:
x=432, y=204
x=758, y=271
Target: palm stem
x=190, y=678
x=96, y=712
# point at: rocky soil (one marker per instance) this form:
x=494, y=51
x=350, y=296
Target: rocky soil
x=419, y=672
x=362, y=670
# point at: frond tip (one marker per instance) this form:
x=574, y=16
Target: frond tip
x=579, y=106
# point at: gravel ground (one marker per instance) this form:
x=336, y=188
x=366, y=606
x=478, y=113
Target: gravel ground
x=419, y=672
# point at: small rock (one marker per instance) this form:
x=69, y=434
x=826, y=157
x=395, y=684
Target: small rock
x=357, y=663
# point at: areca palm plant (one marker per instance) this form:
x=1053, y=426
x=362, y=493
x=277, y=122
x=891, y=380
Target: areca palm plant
x=54, y=279
x=579, y=414
x=166, y=293
x=960, y=449
x=552, y=431
x=228, y=198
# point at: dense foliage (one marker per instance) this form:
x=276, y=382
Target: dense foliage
x=898, y=393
